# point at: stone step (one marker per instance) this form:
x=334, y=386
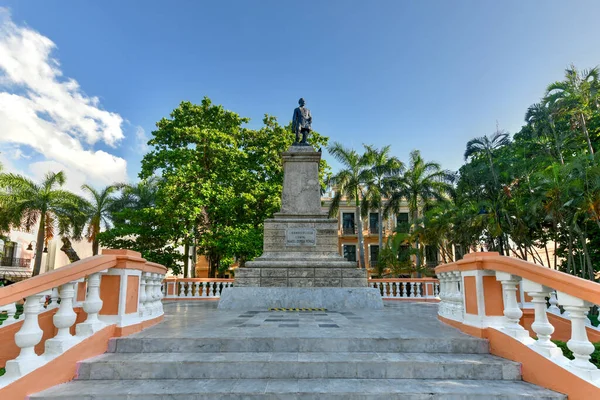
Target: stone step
x=305, y=389
x=123, y=366
x=461, y=345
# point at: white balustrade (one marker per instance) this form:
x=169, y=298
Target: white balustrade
x=544, y=305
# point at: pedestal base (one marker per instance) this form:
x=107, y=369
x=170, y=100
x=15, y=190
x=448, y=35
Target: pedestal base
x=331, y=298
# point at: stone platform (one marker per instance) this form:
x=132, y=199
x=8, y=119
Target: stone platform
x=331, y=298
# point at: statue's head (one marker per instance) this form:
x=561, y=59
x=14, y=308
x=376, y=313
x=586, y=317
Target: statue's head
x=301, y=102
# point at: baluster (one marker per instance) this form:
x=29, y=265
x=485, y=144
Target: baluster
x=156, y=303
x=54, y=296
x=181, y=289
x=92, y=306
x=459, y=301
x=189, y=289
x=541, y=326
x=419, y=289
x=395, y=289
x=27, y=338
x=161, y=295
x=142, y=296
x=413, y=289
x=512, y=312
x=64, y=318
x=11, y=310
x=212, y=290
x=553, y=303
x=149, y=304
x=197, y=292
x=579, y=343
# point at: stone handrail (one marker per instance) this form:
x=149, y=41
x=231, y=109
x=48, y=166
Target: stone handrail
x=414, y=289
x=497, y=297
x=118, y=292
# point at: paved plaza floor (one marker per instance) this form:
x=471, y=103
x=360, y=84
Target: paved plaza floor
x=397, y=320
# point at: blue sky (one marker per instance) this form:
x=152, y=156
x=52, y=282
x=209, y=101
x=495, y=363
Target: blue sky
x=426, y=75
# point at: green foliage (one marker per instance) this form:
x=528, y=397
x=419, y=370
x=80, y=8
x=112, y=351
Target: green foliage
x=595, y=356
x=219, y=179
x=45, y=205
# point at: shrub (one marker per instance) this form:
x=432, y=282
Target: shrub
x=595, y=356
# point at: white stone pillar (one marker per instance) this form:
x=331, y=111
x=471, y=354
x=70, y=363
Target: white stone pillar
x=512, y=312
x=27, y=338
x=92, y=306
x=64, y=318
x=541, y=326
x=142, y=296
x=579, y=343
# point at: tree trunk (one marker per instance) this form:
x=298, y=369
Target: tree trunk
x=380, y=231
x=68, y=249
x=587, y=135
x=186, y=259
x=194, y=261
x=361, y=241
x=95, y=247
x=39, y=244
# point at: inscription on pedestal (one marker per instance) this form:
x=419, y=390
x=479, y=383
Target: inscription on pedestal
x=301, y=237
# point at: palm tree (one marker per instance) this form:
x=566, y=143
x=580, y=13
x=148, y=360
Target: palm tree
x=349, y=183
x=578, y=96
x=98, y=212
x=383, y=167
x=46, y=205
x=422, y=183
x=487, y=146
x=539, y=117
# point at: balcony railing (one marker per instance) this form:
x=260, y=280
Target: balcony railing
x=15, y=262
x=424, y=289
x=349, y=230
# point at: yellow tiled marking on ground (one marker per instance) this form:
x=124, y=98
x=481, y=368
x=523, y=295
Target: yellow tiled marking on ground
x=297, y=309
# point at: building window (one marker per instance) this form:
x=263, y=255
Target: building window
x=350, y=252
x=404, y=253
x=348, y=224
x=458, y=252
x=431, y=256
x=402, y=224
x=374, y=223
x=373, y=255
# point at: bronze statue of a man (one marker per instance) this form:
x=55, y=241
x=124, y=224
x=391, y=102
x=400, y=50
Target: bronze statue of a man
x=301, y=123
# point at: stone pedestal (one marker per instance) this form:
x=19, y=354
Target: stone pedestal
x=300, y=250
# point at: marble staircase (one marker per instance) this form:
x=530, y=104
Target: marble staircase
x=305, y=355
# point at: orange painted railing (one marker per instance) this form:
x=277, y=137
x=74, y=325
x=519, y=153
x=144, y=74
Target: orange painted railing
x=515, y=305
x=69, y=314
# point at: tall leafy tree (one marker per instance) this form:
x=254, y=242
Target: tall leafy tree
x=422, y=183
x=351, y=183
x=45, y=205
x=98, y=211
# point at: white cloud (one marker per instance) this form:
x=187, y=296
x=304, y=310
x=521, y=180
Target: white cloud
x=51, y=114
x=141, y=139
